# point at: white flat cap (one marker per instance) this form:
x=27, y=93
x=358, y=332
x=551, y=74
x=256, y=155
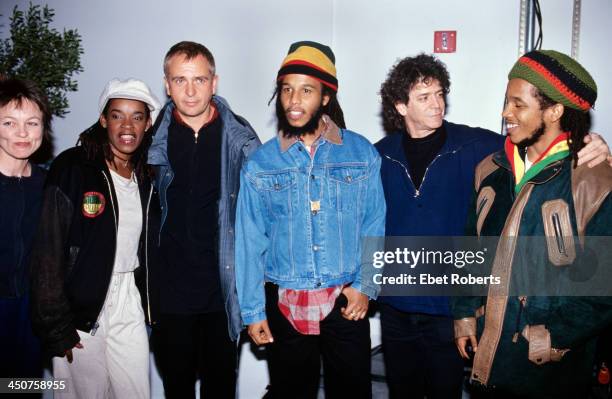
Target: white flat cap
x=131, y=89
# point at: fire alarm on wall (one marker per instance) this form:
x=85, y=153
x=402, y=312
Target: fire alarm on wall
x=445, y=41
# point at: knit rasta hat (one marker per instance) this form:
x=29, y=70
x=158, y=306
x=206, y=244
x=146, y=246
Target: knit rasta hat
x=558, y=76
x=313, y=59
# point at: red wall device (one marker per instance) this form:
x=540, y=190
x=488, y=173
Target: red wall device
x=445, y=41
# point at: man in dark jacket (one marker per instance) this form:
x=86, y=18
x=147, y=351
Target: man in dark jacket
x=198, y=150
x=537, y=336
x=427, y=173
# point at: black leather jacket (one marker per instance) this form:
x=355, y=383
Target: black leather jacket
x=74, y=249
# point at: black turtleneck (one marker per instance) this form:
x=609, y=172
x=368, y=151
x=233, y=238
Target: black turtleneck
x=420, y=152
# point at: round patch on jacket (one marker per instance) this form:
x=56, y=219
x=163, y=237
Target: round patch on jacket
x=93, y=204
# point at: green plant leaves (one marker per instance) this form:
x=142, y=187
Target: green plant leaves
x=40, y=53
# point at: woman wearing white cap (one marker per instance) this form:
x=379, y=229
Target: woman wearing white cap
x=92, y=250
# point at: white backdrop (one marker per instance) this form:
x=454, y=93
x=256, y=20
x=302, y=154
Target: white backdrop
x=250, y=38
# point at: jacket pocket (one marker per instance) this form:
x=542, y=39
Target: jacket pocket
x=558, y=230
x=483, y=206
x=346, y=184
x=278, y=189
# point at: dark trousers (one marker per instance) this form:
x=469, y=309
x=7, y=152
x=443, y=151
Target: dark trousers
x=188, y=347
x=421, y=358
x=19, y=348
x=294, y=359
x=20, y=351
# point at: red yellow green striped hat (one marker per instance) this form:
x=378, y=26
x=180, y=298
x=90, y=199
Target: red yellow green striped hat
x=558, y=76
x=313, y=59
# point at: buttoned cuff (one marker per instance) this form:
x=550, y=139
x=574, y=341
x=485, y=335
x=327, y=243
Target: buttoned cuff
x=371, y=292
x=253, y=317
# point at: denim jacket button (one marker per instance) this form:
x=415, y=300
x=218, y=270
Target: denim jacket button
x=318, y=284
x=348, y=179
x=232, y=195
x=315, y=248
x=277, y=186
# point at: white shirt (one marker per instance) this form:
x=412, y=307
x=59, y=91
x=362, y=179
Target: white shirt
x=528, y=163
x=130, y=223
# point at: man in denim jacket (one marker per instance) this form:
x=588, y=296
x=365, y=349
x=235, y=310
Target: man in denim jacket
x=308, y=199
x=199, y=147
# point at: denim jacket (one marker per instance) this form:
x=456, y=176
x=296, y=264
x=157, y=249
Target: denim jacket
x=238, y=141
x=282, y=238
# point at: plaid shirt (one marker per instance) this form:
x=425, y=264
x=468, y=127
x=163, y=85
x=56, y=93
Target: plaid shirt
x=305, y=309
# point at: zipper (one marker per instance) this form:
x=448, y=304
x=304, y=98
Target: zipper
x=165, y=203
x=559, y=234
x=20, y=242
x=106, y=179
x=431, y=163
x=147, y=253
x=417, y=192
x=522, y=303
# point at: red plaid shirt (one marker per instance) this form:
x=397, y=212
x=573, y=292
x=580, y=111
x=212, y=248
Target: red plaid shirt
x=305, y=309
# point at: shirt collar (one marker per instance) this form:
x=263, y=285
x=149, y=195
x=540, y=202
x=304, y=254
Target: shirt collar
x=331, y=134
x=179, y=119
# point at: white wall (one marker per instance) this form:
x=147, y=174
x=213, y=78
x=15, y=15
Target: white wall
x=250, y=38
x=371, y=36
x=130, y=38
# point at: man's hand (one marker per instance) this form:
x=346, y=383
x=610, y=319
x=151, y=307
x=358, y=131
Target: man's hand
x=462, y=345
x=357, y=305
x=260, y=333
x=68, y=352
x=595, y=152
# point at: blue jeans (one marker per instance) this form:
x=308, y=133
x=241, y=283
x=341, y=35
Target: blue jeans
x=421, y=358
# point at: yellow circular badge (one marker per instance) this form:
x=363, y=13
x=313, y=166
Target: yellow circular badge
x=93, y=204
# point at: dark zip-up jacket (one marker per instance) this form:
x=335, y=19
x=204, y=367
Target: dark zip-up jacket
x=74, y=249
x=20, y=201
x=440, y=206
x=541, y=343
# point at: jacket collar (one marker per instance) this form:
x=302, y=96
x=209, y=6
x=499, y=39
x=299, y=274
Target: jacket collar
x=331, y=134
x=98, y=161
x=393, y=146
x=158, y=154
x=546, y=174
x=457, y=136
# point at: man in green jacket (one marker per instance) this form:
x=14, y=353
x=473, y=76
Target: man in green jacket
x=535, y=336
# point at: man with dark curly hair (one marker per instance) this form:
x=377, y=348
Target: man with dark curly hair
x=427, y=173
